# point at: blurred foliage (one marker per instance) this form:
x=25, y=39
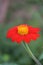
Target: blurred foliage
x=13, y=53
x=35, y=1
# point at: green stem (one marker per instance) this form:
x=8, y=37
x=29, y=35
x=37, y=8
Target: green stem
x=31, y=54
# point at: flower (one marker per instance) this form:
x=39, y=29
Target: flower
x=23, y=32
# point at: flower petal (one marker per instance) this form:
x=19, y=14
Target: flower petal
x=10, y=32
x=34, y=36
x=27, y=38
x=33, y=30
x=16, y=37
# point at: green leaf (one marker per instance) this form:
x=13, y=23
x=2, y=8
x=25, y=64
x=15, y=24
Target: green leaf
x=9, y=64
x=41, y=56
x=6, y=57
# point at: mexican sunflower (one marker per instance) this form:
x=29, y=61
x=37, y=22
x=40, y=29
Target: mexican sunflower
x=23, y=32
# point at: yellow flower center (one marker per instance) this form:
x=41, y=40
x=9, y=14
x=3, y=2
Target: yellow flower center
x=22, y=29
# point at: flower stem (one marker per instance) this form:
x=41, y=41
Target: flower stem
x=31, y=54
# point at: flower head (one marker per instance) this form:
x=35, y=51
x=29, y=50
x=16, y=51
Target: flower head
x=23, y=32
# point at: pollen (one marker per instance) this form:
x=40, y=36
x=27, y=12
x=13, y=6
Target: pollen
x=22, y=29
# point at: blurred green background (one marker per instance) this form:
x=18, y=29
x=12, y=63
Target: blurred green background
x=21, y=12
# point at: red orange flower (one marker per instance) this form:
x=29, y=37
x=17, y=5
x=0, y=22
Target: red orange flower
x=23, y=32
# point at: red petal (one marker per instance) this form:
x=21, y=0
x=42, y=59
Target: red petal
x=11, y=32
x=13, y=38
x=34, y=36
x=27, y=38
x=34, y=30
x=16, y=38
